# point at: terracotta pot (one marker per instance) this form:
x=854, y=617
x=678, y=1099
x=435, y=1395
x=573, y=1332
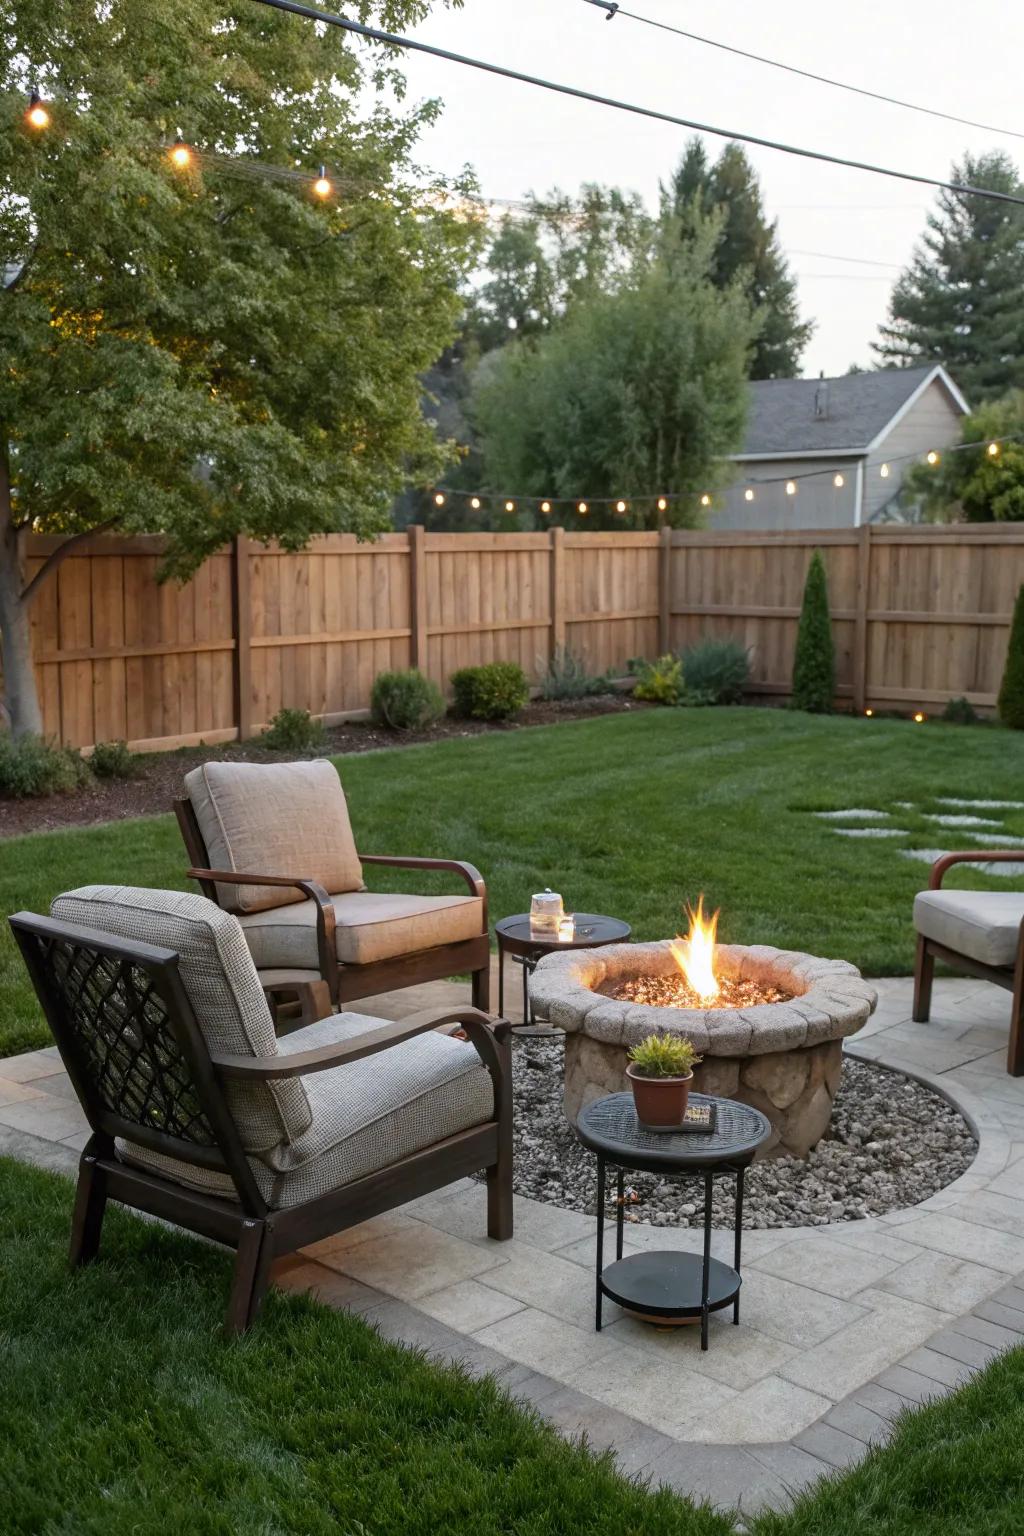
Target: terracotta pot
x=659, y=1100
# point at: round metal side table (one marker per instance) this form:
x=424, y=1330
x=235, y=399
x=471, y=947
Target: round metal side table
x=517, y=938
x=670, y=1284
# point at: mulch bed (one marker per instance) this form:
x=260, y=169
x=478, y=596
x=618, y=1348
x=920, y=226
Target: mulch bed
x=162, y=772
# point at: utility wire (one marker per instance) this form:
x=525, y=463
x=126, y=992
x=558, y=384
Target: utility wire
x=612, y=10
x=394, y=40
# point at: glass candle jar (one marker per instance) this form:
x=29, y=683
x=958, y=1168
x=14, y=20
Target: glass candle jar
x=546, y=912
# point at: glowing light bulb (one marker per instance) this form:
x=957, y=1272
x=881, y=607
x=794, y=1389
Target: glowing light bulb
x=181, y=155
x=662, y=504
x=545, y=506
x=748, y=495
x=37, y=116
x=884, y=471
x=933, y=458
x=439, y=500
x=474, y=502
x=869, y=713
x=790, y=487
x=582, y=508
x=839, y=482
x=510, y=506
x=322, y=186
x=705, y=500
x=993, y=450
x=620, y=506
x=919, y=718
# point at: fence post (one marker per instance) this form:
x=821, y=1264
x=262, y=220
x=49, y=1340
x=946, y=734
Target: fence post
x=241, y=623
x=417, y=596
x=860, y=621
x=664, y=590
x=556, y=573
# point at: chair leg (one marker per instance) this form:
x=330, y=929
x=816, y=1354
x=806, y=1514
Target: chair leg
x=499, y=1175
x=481, y=994
x=924, y=975
x=90, y=1203
x=1015, y=1050
x=249, y=1283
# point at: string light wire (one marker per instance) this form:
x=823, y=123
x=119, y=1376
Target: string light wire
x=415, y=45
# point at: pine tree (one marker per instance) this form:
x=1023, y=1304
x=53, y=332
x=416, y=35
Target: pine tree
x=961, y=300
x=1011, y=690
x=748, y=248
x=814, y=665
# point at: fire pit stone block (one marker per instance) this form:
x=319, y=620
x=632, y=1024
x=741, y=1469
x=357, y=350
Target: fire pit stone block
x=784, y=1058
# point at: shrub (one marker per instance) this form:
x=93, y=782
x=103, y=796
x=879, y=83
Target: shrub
x=814, y=665
x=493, y=692
x=960, y=712
x=664, y=1056
x=659, y=682
x=566, y=677
x=114, y=760
x=1011, y=691
x=31, y=765
x=405, y=701
x=715, y=671
x=295, y=730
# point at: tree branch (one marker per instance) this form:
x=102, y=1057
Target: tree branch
x=60, y=555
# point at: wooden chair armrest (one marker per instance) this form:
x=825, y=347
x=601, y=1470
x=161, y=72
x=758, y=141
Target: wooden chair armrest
x=298, y=1063
x=326, y=917
x=468, y=872
x=974, y=856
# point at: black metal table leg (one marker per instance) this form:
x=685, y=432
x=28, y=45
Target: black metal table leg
x=600, y=1233
x=527, y=1017
x=620, y=1216
x=706, y=1276
x=501, y=979
x=739, y=1239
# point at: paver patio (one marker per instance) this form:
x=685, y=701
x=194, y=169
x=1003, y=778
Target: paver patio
x=842, y=1325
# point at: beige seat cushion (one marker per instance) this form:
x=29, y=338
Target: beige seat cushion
x=370, y=927
x=274, y=819
x=982, y=924
x=366, y=1114
x=220, y=981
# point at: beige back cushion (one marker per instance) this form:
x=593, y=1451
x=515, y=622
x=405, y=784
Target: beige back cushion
x=275, y=819
x=220, y=980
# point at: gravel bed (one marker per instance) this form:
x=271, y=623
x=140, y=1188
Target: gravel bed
x=892, y=1144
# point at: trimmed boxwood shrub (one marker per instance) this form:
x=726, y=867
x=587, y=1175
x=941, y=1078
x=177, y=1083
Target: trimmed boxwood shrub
x=1011, y=691
x=405, y=701
x=114, y=760
x=32, y=765
x=295, y=730
x=496, y=691
x=814, y=663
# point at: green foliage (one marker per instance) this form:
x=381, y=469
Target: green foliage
x=566, y=677
x=295, y=730
x=664, y=1056
x=715, y=671
x=496, y=691
x=814, y=666
x=405, y=701
x=1010, y=702
x=635, y=390
x=747, y=251
x=961, y=300
x=658, y=682
x=960, y=712
x=973, y=485
x=114, y=760
x=32, y=765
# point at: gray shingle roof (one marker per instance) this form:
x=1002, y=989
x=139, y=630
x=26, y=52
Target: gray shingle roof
x=781, y=418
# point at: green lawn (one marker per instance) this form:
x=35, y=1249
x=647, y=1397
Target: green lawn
x=125, y=1413
x=629, y=814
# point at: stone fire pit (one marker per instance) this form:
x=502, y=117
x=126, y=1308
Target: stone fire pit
x=785, y=1058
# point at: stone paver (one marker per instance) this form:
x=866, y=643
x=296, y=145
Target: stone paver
x=842, y=1327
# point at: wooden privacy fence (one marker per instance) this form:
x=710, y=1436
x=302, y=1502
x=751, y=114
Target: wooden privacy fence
x=920, y=615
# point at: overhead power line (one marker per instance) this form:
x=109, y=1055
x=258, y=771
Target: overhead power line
x=394, y=40
x=612, y=10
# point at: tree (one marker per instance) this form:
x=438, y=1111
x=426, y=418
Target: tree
x=961, y=300
x=814, y=665
x=1011, y=691
x=748, y=250
x=189, y=350
x=636, y=391
x=981, y=483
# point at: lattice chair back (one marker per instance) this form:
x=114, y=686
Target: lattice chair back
x=128, y=1036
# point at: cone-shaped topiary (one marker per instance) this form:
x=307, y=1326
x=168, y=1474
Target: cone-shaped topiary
x=814, y=664
x=1011, y=690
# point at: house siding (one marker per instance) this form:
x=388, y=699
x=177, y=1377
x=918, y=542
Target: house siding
x=817, y=503
x=933, y=421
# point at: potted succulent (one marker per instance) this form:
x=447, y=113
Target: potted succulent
x=660, y=1071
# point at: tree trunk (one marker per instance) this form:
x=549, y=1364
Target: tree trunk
x=21, y=697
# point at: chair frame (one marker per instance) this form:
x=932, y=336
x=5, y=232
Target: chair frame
x=1009, y=977
x=258, y=1233
x=341, y=983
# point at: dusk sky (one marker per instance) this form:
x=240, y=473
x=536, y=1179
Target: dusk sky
x=964, y=60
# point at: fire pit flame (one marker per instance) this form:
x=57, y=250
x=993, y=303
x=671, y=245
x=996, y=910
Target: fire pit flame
x=695, y=955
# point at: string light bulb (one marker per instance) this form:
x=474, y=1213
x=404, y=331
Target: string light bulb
x=705, y=500
x=884, y=471
x=662, y=504
x=932, y=458
x=620, y=506
x=510, y=506
x=37, y=116
x=748, y=495
x=545, y=507
x=322, y=186
x=993, y=450
x=181, y=155
x=790, y=487
x=474, y=502
x=439, y=499
x=839, y=482
x=582, y=508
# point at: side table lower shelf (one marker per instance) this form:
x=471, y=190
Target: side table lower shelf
x=669, y=1284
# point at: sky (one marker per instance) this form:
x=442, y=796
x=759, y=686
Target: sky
x=964, y=60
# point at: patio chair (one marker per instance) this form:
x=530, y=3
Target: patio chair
x=273, y=844
x=199, y=1115
x=980, y=932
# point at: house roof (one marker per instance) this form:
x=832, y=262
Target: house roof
x=782, y=421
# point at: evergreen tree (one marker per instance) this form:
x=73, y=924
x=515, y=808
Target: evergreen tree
x=983, y=483
x=814, y=665
x=748, y=248
x=1011, y=691
x=961, y=300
